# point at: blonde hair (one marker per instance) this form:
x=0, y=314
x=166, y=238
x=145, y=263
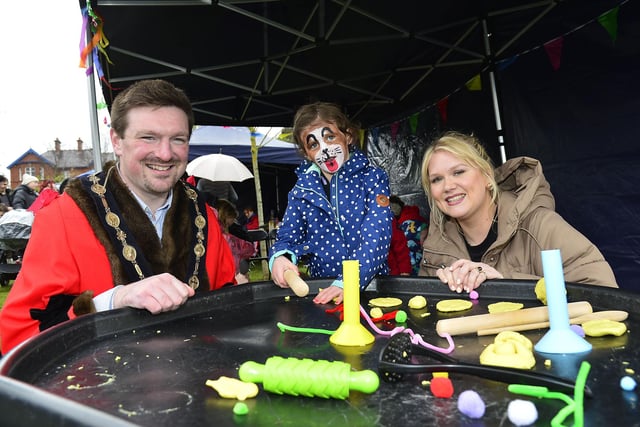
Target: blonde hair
x=468, y=149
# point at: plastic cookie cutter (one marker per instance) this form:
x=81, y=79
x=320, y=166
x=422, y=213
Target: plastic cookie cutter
x=396, y=359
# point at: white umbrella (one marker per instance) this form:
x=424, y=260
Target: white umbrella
x=219, y=167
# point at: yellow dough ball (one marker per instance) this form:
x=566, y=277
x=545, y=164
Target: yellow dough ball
x=509, y=349
x=541, y=291
x=417, y=302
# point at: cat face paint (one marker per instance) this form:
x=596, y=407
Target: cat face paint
x=326, y=146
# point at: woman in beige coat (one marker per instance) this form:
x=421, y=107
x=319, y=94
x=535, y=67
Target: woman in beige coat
x=493, y=224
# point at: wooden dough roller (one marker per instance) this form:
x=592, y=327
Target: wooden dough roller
x=473, y=324
x=297, y=285
x=614, y=315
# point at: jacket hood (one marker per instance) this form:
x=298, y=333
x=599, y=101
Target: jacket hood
x=523, y=178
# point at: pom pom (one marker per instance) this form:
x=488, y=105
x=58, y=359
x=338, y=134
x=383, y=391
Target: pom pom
x=522, y=412
x=627, y=383
x=401, y=316
x=578, y=330
x=240, y=408
x=474, y=295
x=471, y=404
x=442, y=387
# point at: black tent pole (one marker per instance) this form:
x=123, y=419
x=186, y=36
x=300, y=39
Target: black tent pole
x=494, y=92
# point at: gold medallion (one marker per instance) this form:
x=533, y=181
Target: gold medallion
x=194, y=282
x=198, y=249
x=112, y=219
x=191, y=193
x=129, y=252
x=98, y=189
x=200, y=221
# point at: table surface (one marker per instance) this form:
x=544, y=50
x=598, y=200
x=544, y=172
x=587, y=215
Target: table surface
x=151, y=370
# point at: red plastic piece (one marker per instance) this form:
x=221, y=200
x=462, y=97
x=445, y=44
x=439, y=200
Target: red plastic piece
x=441, y=387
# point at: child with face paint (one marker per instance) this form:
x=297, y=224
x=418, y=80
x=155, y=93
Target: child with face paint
x=339, y=208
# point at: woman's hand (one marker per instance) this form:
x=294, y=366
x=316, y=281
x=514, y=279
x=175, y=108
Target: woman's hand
x=466, y=275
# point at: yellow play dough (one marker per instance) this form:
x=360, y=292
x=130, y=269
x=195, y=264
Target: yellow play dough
x=376, y=312
x=541, y=291
x=231, y=388
x=449, y=305
x=602, y=327
x=385, y=302
x=509, y=349
x=417, y=302
x=504, y=306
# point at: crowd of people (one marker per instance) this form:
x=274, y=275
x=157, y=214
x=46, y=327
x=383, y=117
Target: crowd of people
x=142, y=234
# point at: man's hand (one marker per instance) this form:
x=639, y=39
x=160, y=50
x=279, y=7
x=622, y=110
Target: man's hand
x=162, y=292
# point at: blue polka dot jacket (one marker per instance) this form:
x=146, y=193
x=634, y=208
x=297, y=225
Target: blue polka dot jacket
x=353, y=223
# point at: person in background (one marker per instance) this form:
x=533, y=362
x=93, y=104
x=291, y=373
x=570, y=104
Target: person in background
x=399, y=259
x=5, y=192
x=414, y=227
x=241, y=249
x=491, y=223
x=134, y=235
x=47, y=194
x=26, y=192
x=252, y=222
x=217, y=190
x=339, y=207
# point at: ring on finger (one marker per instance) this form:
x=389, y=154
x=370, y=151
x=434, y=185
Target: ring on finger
x=479, y=269
x=442, y=266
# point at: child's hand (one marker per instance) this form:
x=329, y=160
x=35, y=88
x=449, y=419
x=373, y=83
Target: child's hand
x=332, y=293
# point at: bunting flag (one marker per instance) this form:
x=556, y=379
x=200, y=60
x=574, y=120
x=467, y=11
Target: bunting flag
x=413, y=122
x=554, y=52
x=442, y=108
x=504, y=64
x=475, y=83
x=609, y=21
x=394, y=130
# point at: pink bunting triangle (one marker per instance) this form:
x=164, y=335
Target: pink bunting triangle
x=554, y=52
x=442, y=108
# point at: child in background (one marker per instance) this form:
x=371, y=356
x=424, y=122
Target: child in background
x=241, y=249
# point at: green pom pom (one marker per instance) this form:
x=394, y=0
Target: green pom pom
x=240, y=408
x=401, y=316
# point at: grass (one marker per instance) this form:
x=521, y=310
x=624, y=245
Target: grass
x=4, y=291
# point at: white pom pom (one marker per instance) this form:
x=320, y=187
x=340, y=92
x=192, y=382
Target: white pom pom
x=522, y=412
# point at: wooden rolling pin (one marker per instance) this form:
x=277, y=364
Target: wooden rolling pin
x=615, y=315
x=295, y=282
x=473, y=324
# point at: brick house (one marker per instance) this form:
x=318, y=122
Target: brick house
x=53, y=163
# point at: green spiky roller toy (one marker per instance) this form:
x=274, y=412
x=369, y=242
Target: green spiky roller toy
x=310, y=378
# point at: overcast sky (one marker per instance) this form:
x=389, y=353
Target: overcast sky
x=43, y=91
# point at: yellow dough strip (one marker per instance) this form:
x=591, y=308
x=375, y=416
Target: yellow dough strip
x=615, y=315
x=473, y=324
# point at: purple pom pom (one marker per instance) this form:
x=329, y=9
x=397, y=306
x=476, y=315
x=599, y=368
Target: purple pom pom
x=471, y=404
x=578, y=330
